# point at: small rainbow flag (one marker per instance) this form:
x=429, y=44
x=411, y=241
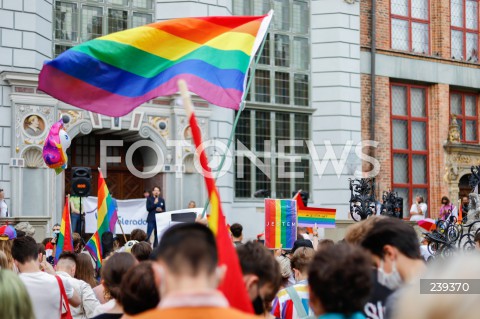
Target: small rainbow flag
x=115, y=73
x=106, y=220
x=280, y=223
x=65, y=238
x=314, y=216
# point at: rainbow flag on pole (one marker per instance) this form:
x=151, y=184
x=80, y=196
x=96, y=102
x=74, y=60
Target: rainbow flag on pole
x=65, y=238
x=314, y=216
x=107, y=218
x=280, y=223
x=115, y=73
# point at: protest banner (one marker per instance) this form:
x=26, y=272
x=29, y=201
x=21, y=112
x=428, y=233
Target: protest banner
x=280, y=223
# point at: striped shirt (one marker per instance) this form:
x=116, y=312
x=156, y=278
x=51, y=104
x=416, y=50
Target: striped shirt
x=283, y=306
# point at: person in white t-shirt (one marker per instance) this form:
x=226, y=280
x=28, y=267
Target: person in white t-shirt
x=42, y=286
x=418, y=210
x=66, y=267
x=3, y=205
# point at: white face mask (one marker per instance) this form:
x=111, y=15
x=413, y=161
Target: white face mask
x=392, y=280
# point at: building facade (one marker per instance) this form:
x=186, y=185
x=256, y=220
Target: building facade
x=423, y=57
x=306, y=87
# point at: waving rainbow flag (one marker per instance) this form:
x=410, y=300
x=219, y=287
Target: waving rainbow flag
x=65, y=238
x=314, y=216
x=107, y=217
x=115, y=73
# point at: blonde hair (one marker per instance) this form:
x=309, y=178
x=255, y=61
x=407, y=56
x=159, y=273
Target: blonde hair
x=357, y=232
x=414, y=305
x=31, y=118
x=14, y=299
x=6, y=248
x=3, y=260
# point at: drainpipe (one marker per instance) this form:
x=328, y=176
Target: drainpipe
x=372, y=71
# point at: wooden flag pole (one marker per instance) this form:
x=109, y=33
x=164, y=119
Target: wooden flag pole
x=120, y=224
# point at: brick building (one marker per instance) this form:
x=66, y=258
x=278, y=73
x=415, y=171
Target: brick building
x=426, y=69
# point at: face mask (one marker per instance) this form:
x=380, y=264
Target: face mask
x=392, y=280
x=56, y=232
x=258, y=306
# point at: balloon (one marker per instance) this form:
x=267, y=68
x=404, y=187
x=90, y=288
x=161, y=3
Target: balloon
x=56, y=145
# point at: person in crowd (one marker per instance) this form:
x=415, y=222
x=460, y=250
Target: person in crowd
x=285, y=270
x=75, y=213
x=301, y=243
x=261, y=274
x=302, y=233
x=138, y=235
x=416, y=302
x=339, y=282
x=324, y=243
x=292, y=302
x=375, y=306
x=140, y=289
x=3, y=205
x=85, y=271
x=25, y=229
x=77, y=243
x=418, y=211
x=155, y=205
x=7, y=235
x=107, y=244
x=56, y=230
x=476, y=240
x=396, y=253
x=237, y=235
x=146, y=194
x=66, y=267
x=37, y=282
x=14, y=299
x=187, y=261
x=447, y=209
x=142, y=251
x=192, y=204
x=113, y=271
x=41, y=252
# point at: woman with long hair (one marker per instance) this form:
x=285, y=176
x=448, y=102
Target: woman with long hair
x=113, y=271
x=6, y=247
x=85, y=270
x=14, y=299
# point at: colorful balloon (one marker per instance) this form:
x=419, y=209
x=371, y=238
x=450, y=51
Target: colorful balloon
x=56, y=145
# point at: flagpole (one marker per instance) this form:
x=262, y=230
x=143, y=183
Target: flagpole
x=120, y=224
x=237, y=117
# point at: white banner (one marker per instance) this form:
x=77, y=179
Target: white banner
x=132, y=214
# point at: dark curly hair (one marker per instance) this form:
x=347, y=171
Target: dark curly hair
x=340, y=278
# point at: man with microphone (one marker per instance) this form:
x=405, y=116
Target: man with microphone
x=155, y=204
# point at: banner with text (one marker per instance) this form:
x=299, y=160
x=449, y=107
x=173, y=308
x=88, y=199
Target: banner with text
x=280, y=223
x=132, y=214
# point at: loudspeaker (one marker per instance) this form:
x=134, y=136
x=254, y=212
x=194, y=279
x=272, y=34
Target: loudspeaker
x=81, y=181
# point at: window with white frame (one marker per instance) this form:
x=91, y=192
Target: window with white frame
x=83, y=20
x=285, y=166
x=282, y=73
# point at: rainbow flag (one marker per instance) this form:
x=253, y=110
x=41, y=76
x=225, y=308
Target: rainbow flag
x=280, y=223
x=65, y=238
x=115, y=73
x=107, y=218
x=232, y=286
x=314, y=216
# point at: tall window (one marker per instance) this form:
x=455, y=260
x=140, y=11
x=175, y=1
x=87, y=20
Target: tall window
x=409, y=142
x=410, y=25
x=464, y=107
x=464, y=29
x=83, y=20
x=266, y=134
x=282, y=75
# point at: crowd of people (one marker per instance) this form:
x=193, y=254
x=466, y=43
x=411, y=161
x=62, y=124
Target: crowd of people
x=373, y=272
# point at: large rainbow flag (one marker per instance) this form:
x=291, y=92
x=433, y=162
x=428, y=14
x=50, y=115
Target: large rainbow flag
x=107, y=218
x=280, y=223
x=65, y=238
x=314, y=216
x=232, y=286
x=115, y=73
